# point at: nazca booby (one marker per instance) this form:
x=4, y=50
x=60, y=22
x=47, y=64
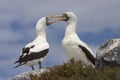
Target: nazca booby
x=74, y=48
x=35, y=51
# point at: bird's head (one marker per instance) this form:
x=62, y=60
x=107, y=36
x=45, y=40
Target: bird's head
x=68, y=17
x=44, y=21
x=42, y=25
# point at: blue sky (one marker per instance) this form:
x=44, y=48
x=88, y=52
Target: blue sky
x=98, y=21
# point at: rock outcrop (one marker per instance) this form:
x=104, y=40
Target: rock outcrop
x=26, y=75
x=108, y=54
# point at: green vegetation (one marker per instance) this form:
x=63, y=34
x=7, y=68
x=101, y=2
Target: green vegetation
x=75, y=71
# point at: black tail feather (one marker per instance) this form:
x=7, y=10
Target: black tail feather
x=16, y=62
x=17, y=65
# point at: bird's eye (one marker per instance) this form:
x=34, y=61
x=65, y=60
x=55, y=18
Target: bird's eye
x=46, y=21
x=66, y=16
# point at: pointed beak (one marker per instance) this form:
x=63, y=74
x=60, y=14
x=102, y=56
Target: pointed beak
x=56, y=18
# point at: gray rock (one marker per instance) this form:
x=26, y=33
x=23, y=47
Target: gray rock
x=26, y=75
x=108, y=54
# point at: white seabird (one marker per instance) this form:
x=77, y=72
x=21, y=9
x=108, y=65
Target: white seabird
x=74, y=48
x=35, y=51
x=108, y=54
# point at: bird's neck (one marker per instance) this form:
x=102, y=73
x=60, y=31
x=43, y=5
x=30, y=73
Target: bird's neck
x=40, y=39
x=41, y=35
x=41, y=30
x=70, y=29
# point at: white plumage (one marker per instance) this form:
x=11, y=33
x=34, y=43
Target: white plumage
x=75, y=48
x=35, y=51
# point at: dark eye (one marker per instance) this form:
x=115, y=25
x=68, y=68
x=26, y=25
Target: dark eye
x=47, y=21
x=67, y=18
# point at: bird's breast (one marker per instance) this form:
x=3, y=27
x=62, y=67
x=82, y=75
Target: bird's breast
x=73, y=51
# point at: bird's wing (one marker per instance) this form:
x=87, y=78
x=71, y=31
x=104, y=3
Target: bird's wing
x=29, y=57
x=77, y=41
x=84, y=48
x=25, y=51
x=88, y=54
x=33, y=52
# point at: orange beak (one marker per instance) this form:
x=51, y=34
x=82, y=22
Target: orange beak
x=56, y=18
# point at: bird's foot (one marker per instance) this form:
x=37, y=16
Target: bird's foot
x=32, y=68
x=72, y=61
